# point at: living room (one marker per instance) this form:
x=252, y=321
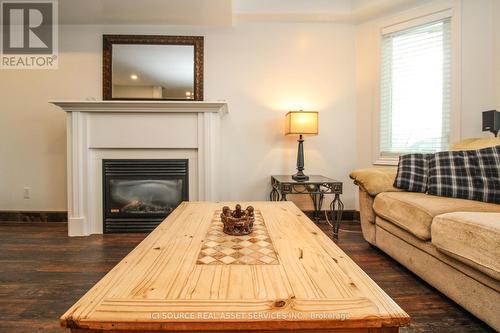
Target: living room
x=350, y=144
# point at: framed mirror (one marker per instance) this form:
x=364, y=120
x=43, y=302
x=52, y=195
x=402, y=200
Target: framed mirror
x=140, y=67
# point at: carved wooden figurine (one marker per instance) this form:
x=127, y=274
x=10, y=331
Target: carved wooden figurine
x=237, y=222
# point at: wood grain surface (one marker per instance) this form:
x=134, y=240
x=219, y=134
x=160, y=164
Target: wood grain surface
x=159, y=286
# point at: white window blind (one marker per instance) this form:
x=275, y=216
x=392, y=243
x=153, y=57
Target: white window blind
x=415, y=108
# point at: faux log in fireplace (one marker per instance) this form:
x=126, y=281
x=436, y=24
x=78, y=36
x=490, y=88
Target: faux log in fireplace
x=139, y=194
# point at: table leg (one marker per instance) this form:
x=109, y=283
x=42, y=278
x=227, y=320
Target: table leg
x=317, y=199
x=336, y=209
x=274, y=195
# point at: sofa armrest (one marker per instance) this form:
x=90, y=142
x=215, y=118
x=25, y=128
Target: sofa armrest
x=375, y=180
x=367, y=216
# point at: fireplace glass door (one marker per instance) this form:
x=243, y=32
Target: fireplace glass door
x=139, y=194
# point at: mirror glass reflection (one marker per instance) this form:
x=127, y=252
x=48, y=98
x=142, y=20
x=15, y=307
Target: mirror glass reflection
x=153, y=71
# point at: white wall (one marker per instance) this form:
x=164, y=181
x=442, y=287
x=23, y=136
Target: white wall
x=496, y=52
x=32, y=132
x=475, y=75
x=262, y=70
x=477, y=64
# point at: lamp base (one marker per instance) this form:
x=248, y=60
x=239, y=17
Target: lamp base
x=300, y=177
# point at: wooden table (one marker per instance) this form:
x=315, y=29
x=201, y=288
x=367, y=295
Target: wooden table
x=189, y=276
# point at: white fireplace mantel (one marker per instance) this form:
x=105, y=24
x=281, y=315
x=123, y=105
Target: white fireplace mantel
x=98, y=130
x=143, y=106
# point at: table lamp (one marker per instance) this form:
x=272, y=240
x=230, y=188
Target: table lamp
x=301, y=123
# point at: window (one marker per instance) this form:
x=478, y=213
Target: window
x=415, y=101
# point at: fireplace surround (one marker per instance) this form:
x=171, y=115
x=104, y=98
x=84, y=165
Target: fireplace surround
x=106, y=130
x=139, y=193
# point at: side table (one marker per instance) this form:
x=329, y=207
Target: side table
x=317, y=186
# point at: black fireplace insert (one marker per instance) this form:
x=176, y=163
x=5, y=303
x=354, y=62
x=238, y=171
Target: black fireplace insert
x=139, y=194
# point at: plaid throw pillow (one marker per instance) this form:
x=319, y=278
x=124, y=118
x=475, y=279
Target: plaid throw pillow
x=412, y=172
x=473, y=175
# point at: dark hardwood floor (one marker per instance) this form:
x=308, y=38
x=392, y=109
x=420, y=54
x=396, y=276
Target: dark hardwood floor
x=43, y=272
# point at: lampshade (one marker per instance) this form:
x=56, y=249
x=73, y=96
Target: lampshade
x=301, y=122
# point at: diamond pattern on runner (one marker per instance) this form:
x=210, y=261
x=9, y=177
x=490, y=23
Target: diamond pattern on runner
x=221, y=249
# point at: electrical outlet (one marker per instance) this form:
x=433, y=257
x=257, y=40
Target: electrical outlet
x=27, y=193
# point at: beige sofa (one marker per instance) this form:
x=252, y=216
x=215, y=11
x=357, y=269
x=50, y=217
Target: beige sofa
x=453, y=244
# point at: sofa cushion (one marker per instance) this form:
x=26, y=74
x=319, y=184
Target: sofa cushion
x=414, y=212
x=431, y=250
x=472, y=238
x=475, y=143
x=413, y=170
x=473, y=174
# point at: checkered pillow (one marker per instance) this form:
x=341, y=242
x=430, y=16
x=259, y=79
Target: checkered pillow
x=473, y=175
x=413, y=170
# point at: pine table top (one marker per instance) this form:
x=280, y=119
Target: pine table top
x=166, y=284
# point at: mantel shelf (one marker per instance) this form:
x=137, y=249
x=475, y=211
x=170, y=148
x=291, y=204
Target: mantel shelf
x=142, y=106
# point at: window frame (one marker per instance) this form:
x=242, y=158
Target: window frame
x=407, y=20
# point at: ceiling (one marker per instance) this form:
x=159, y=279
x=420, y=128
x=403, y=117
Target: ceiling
x=223, y=12
x=175, y=12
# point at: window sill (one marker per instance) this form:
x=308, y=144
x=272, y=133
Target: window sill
x=391, y=161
